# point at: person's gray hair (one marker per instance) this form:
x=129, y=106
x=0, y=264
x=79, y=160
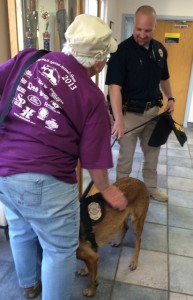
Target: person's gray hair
x=85, y=61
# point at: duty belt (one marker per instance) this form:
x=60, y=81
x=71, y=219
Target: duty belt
x=140, y=106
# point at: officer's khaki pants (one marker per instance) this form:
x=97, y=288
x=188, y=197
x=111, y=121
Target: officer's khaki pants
x=128, y=145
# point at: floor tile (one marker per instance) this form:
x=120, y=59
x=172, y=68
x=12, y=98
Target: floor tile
x=157, y=213
x=152, y=269
x=162, y=159
x=179, y=183
x=190, y=141
x=174, y=296
x=180, y=217
x=178, y=153
x=162, y=181
x=181, y=274
x=180, y=198
x=154, y=237
x=162, y=169
x=103, y=290
x=182, y=162
x=181, y=241
x=180, y=172
x=175, y=145
x=108, y=261
x=124, y=291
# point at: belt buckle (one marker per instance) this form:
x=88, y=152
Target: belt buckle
x=148, y=105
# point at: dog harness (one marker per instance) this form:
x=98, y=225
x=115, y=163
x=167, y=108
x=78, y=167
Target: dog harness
x=92, y=212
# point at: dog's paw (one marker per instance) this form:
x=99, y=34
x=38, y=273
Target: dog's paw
x=89, y=292
x=82, y=272
x=116, y=244
x=133, y=265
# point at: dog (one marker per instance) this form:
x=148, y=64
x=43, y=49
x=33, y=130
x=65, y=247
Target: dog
x=113, y=223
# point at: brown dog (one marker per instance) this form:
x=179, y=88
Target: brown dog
x=114, y=222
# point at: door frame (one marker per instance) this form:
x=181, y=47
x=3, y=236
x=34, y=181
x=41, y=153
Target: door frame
x=127, y=21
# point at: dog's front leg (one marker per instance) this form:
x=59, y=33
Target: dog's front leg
x=92, y=265
x=90, y=257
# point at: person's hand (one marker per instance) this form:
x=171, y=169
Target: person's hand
x=118, y=129
x=170, y=107
x=115, y=198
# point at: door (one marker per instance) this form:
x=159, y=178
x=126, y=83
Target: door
x=177, y=37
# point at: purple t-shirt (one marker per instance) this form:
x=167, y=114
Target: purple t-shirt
x=58, y=115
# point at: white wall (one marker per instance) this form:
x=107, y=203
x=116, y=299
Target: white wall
x=163, y=8
x=167, y=8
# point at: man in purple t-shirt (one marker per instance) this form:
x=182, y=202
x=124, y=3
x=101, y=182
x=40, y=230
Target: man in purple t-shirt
x=58, y=115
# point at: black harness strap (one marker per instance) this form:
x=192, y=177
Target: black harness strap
x=32, y=59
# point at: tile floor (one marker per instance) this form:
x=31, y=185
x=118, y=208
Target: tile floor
x=165, y=270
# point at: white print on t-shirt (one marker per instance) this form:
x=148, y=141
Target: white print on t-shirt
x=28, y=73
x=69, y=82
x=43, y=113
x=34, y=100
x=32, y=87
x=43, y=95
x=55, y=96
x=24, y=81
x=51, y=124
x=40, y=82
x=23, y=118
x=21, y=89
x=68, y=78
x=53, y=108
x=51, y=74
x=19, y=101
x=54, y=104
x=27, y=113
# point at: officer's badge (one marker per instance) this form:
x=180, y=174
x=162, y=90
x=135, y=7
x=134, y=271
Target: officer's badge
x=160, y=52
x=94, y=211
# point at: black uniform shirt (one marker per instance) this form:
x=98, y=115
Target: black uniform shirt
x=138, y=70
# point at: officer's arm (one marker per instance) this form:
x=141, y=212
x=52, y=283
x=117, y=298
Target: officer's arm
x=166, y=88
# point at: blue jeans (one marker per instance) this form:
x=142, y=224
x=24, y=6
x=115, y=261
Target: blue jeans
x=42, y=211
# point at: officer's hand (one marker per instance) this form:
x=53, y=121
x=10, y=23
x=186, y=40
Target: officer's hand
x=170, y=106
x=118, y=129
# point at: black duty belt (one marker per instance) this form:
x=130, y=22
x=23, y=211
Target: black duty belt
x=140, y=106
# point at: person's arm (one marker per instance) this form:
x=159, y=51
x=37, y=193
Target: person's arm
x=166, y=88
x=118, y=128
x=113, y=196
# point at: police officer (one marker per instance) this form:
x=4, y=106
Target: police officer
x=137, y=75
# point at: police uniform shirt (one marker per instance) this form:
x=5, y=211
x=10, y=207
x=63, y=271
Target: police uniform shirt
x=138, y=70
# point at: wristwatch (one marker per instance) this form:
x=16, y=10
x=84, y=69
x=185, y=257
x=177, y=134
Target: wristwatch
x=172, y=99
